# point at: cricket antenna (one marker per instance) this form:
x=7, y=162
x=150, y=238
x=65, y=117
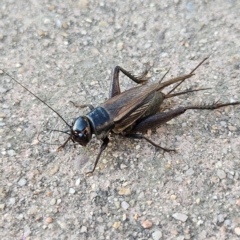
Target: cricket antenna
x=36, y=97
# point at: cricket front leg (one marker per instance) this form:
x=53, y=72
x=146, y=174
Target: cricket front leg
x=115, y=87
x=102, y=148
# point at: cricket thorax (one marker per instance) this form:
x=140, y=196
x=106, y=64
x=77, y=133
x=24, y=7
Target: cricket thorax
x=100, y=122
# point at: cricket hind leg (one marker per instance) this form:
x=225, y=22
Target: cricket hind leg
x=115, y=87
x=163, y=117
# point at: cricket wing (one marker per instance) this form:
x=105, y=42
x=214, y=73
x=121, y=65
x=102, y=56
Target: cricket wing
x=132, y=116
x=127, y=107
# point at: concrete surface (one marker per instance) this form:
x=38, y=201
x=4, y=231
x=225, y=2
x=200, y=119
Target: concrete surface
x=65, y=50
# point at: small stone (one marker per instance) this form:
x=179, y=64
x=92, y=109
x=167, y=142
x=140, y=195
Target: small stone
x=49, y=194
x=138, y=147
x=223, y=229
x=46, y=21
x=238, y=202
x=42, y=33
x=187, y=236
x=174, y=232
x=22, y=182
x=93, y=187
x=71, y=190
x=82, y=4
x=95, y=51
x=173, y=197
x=2, y=206
x=102, y=24
x=38, y=217
x=157, y=235
x=2, y=115
x=180, y=216
x=220, y=218
x=20, y=217
x=136, y=216
x=44, y=227
x=117, y=204
x=146, y=224
x=32, y=210
x=53, y=201
x=51, y=8
x=83, y=229
x=65, y=25
x=54, y=169
x=77, y=183
x=116, y=225
x=200, y=222
x=3, y=90
x=237, y=231
x=125, y=191
x=164, y=54
x=168, y=166
x=59, y=23
x=123, y=166
x=11, y=152
x=49, y=219
x=62, y=225
x=190, y=172
x=180, y=237
x=232, y=128
x=198, y=200
x=228, y=222
x=3, y=192
x=124, y=217
x=35, y=142
x=89, y=20
x=221, y=174
x=12, y=200
x=223, y=123
x=124, y=205
x=120, y=46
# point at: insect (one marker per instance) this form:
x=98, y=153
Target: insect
x=128, y=113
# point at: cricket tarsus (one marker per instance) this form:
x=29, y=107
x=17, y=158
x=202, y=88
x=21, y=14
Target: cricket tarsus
x=64, y=144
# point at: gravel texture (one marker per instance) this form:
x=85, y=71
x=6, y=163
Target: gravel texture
x=64, y=51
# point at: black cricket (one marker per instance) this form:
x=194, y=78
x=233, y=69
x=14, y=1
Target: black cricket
x=128, y=113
